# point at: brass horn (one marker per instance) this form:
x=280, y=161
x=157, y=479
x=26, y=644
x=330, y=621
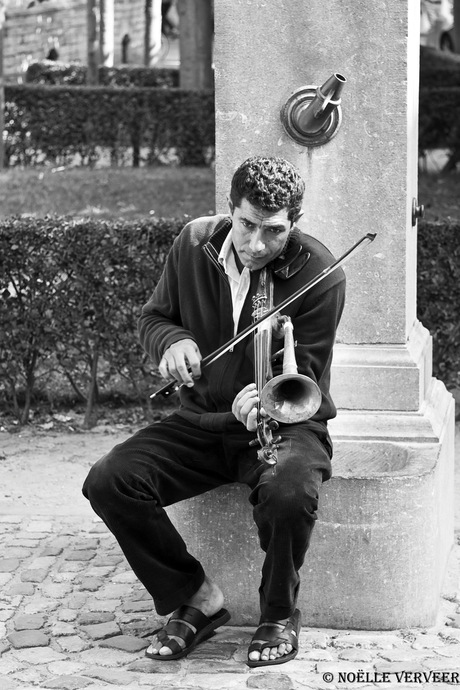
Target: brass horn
x=290, y=397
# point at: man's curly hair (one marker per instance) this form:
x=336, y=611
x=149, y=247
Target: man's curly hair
x=269, y=183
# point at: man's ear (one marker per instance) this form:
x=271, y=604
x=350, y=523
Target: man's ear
x=298, y=216
x=230, y=205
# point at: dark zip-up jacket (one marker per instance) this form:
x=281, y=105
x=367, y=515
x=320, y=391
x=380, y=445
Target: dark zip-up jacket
x=193, y=300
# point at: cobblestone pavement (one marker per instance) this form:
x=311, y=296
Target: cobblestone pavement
x=72, y=615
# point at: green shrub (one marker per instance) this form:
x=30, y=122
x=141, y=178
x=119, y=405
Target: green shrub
x=57, y=123
x=438, y=288
x=50, y=73
x=71, y=293
x=439, y=103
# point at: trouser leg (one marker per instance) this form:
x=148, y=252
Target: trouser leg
x=285, y=503
x=129, y=488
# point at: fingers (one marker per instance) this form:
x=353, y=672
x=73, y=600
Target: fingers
x=181, y=361
x=245, y=407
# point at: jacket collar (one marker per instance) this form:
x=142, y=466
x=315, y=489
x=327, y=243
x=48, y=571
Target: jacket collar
x=292, y=259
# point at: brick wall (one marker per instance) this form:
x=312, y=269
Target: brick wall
x=30, y=33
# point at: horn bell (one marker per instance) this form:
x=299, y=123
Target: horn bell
x=291, y=398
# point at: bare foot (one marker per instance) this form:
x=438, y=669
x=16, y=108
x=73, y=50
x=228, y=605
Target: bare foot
x=271, y=653
x=208, y=599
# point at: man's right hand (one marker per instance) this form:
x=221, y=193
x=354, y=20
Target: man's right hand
x=178, y=359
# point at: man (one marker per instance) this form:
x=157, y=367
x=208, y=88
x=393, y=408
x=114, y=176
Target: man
x=203, y=298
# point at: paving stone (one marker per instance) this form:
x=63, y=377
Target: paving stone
x=91, y=584
x=77, y=601
x=29, y=622
x=80, y=555
x=89, y=543
x=406, y=654
x=66, y=668
x=428, y=641
x=151, y=666
x=215, y=650
x=127, y=643
x=272, y=681
x=36, y=575
x=101, y=571
x=39, y=526
x=315, y=655
x=451, y=650
x=67, y=615
x=139, y=606
x=454, y=621
x=42, y=562
x=61, y=629
x=318, y=640
x=379, y=641
x=52, y=551
x=111, y=676
x=126, y=576
x=107, y=605
x=101, y=631
x=8, y=684
x=39, y=656
x=356, y=654
x=4, y=579
x=70, y=567
x=107, y=657
x=28, y=638
x=92, y=617
x=25, y=589
x=9, y=565
x=73, y=644
x=114, y=592
x=67, y=683
x=41, y=605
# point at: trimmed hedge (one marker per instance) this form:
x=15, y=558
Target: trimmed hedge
x=439, y=118
x=439, y=101
x=71, y=293
x=57, y=123
x=50, y=73
x=438, y=287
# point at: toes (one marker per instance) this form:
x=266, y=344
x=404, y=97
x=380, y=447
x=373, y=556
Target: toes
x=254, y=656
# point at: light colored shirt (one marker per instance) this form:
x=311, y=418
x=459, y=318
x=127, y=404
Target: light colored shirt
x=239, y=282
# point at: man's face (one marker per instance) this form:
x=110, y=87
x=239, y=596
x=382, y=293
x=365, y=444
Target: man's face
x=258, y=235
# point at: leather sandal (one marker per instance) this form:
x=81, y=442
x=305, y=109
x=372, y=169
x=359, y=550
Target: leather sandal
x=190, y=625
x=272, y=634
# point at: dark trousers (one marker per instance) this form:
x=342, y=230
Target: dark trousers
x=175, y=459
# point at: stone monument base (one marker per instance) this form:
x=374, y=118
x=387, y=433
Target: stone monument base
x=384, y=533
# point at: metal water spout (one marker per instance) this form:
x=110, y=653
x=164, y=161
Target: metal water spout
x=312, y=114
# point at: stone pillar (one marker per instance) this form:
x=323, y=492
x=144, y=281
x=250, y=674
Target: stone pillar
x=385, y=530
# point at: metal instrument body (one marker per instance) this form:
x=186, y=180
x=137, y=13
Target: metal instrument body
x=289, y=397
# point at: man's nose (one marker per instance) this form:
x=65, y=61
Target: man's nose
x=256, y=243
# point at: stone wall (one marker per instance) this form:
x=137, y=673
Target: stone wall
x=30, y=33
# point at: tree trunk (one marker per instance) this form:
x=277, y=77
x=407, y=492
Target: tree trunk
x=92, y=393
x=106, y=32
x=152, y=33
x=92, y=42
x=196, y=41
x=2, y=89
x=457, y=25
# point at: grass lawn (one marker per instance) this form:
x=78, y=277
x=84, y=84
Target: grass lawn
x=168, y=192
x=440, y=194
